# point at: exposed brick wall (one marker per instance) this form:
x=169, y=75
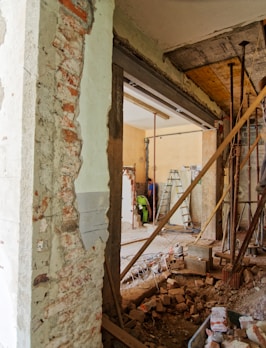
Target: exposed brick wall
x=67, y=280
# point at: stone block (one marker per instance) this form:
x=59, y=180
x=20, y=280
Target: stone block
x=180, y=298
x=195, y=264
x=203, y=251
x=159, y=306
x=166, y=300
x=176, y=291
x=181, y=307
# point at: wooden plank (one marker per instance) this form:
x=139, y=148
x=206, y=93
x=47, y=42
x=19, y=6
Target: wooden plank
x=214, y=157
x=121, y=334
x=214, y=80
x=115, y=164
x=117, y=304
x=227, y=257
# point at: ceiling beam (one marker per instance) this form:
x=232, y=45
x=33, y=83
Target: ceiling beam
x=146, y=106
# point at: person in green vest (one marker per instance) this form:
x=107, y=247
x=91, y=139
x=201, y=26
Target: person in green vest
x=144, y=209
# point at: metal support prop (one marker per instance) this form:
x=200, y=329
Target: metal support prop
x=249, y=172
x=207, y=166
x=227, y=190
x=257, y=152
x=146, y=142
x=232, y=157
x=250, y=231
x=234, y=208
x=237, y=161
x=154, y=170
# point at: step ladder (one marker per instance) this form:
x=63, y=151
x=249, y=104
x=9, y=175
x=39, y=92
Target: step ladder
x=174, y=185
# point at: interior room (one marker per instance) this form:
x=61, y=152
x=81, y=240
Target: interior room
x=132, y=186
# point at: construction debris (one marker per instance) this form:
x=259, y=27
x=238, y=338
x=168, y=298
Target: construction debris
x=180, y=304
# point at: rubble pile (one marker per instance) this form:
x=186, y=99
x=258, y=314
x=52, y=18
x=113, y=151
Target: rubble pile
x=181, y=303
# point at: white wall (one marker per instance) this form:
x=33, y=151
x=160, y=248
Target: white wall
x=18, y=58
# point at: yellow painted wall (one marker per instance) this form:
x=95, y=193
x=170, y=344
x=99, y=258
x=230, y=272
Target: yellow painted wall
x=134, y=150
x=176, y=147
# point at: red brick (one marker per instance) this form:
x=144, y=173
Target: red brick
x=75, y=9
x=73, y=91
x=71, y=79
x=69, y=108
x=72, y=23
x=69, y=136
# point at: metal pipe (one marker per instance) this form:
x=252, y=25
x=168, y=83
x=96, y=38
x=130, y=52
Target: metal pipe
x=146, y=142
x=249, y=169
x=176, y=133
x=243, y=44
x=257, y=152
x=237, y=160
x=232, y=159
x=154, y=170
x=250, y=231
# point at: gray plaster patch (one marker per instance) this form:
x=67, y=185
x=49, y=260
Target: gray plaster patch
x=93, y=222
x=2, y=28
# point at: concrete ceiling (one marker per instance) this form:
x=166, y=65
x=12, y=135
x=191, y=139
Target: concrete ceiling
x=176, y=23
x=201, y=37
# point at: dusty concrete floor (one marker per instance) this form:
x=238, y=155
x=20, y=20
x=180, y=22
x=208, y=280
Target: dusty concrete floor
x=133, y=239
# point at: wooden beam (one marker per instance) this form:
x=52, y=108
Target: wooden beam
x=115, y=165
x=214, y=157
x=120, y=334
x=146, y=106
x=117, y=304
x=227, y=257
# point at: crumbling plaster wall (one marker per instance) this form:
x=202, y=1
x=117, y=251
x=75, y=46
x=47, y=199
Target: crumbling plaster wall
x=67, y=277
